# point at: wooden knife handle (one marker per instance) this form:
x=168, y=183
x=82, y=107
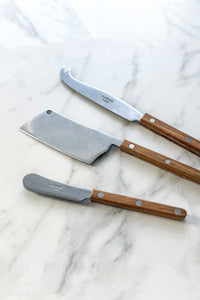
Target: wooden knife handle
x=139, y=205
x=174, y=135
x=161, y=161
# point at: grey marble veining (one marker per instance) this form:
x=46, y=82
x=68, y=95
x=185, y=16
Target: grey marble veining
x=149, y=22
x=51, y=249
x=36, y=23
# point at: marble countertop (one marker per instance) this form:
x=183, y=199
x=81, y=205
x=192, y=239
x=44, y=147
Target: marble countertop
x=50, y=249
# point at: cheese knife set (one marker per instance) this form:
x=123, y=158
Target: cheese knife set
x=86, y=145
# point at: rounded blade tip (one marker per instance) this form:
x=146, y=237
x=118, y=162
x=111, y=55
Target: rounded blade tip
x=28, y=180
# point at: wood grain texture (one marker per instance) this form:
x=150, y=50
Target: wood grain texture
x=147, y=207
x=172, y=134
x=161, y=161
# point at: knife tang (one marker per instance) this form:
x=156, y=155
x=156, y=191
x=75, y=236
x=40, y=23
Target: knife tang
x=138, y=205
x=170, y=133
x=161, y=161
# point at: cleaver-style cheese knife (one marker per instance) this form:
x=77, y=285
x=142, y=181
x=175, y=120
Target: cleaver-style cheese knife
x=42, y=185
x=131, y=114
x=86, y=144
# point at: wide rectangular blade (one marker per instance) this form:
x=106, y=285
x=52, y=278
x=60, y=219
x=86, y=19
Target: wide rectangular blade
x=38, y=184
x=100, y=97
x=69, y=137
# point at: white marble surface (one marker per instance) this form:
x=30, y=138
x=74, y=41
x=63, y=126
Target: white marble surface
x=55, y=250
x=149, y=22
x=51, y=249
x=38, y=22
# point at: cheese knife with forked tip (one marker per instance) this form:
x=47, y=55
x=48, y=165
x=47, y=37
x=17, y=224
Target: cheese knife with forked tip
x=129, y=113
x=42, y=185
x=86, y=144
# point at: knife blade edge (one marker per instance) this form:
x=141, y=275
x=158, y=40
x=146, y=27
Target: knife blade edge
x=101, y=97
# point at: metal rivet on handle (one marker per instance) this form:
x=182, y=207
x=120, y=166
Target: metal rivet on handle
x=177, y=211
x=189, y=139
x=138, y=202
x=100, y=195
x=152, y=120
x=168, y=161
x=131, y=146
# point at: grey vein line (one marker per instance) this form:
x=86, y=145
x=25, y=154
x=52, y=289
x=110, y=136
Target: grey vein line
x=133, y=81
x=5, y=226
x=76, y=256
x=172, y=24
x=26, y=242
x=51, y=89
x=30, y=28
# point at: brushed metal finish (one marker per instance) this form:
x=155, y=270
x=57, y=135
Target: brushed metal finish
x=69, y=137
x=100, y=97
x=38, y=184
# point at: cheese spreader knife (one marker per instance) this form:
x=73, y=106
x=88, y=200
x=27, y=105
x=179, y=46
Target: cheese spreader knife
x=42, y=185
x=131, y=114
x=86, y=144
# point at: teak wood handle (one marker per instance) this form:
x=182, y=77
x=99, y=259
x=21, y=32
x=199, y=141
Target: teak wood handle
x=161, y=161
x=142, y=206
x=172, y=134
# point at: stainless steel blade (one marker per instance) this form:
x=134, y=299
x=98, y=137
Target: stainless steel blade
x=67, y=136
x=100, y=97
x=38, y=184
